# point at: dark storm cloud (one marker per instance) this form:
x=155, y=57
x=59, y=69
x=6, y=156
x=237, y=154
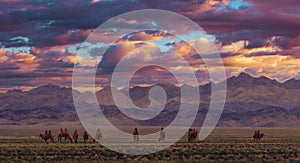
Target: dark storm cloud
x=262, y=53
x=47, y=25
x=15, y=78
x=43, y=22
x=261, y=20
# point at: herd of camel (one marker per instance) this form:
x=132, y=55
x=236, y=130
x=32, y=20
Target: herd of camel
x=63, y=133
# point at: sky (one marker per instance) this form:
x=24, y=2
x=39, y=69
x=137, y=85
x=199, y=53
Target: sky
x=40, y=40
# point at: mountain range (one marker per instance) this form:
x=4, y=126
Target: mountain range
x=250, y=101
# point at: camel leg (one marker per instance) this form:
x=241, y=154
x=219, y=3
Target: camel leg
x=70, y=139
x=59, y=138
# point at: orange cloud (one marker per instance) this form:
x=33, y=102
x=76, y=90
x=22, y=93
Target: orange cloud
x=143, y=36
x=25, y=58
x=3, y=56
x=31, y=7
x=73, y=36
x=75, y=59
x=95, y=1
x=81, y=61
x=184, y=50
x=23, y=61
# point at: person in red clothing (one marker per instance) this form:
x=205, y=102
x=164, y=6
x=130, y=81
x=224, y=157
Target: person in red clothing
x=85, y=136
x=75, y=136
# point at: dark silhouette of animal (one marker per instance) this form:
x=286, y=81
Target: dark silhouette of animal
x=85, y=136
x=257, y=135
x=75, y=136
x=64, y=134
x=46, y=136
x=192, y=135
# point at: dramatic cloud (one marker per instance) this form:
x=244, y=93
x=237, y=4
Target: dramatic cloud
x=40, y=39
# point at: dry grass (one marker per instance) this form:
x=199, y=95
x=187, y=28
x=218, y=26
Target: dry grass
x=225, y=144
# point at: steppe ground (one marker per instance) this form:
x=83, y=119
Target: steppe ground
x=21, y=144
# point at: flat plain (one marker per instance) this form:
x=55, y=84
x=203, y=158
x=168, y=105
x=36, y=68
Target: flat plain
x=223, y=145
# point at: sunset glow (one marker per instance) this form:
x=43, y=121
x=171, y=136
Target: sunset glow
x=40, y=39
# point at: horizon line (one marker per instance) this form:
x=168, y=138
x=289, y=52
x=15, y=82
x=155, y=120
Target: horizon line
x=143, y=85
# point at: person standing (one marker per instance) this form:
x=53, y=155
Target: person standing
x=162, y=135
x=85, y=136
x=98, y=135
x=135, y=134
x=75, y=136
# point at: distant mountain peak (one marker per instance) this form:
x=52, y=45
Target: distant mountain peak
x=186, y=86
x=292, y=80
x=246, y=80
x=250, y=101
x=51, y=85
x=49, y=88
x=244, y=75
x=291, y=84
x=14, y=91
